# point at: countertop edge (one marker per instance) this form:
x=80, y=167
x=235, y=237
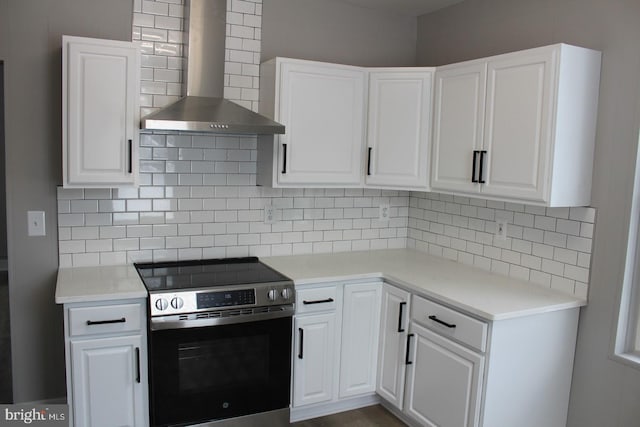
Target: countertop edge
x=100, y=297
x=440, y=298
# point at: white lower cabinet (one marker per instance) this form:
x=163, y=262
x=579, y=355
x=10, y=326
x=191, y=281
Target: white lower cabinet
x=444, y=381
x=108, y=394
x=106, y=352
x=313, y=363
x=360, y=330
x=335, y=343
x=393, y=338
x=456, y=370
x=435, y=365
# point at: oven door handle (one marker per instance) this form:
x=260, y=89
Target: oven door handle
x=174, y=322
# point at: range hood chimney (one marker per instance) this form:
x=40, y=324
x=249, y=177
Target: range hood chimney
x=204, y=109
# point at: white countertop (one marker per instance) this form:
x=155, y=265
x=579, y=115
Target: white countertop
x=476, y=291
x=104, y=283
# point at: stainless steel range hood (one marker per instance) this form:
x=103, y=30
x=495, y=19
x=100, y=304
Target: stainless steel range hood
x=204, y=109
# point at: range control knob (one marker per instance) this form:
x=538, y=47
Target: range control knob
x=272, y=295
x=286, y=293
x=161, y=304
x=177, y=303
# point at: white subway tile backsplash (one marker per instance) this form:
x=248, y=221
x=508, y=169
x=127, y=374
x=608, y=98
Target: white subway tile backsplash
x=544, y=245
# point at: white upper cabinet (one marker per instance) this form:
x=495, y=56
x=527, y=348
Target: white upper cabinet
x=399, y=128
x=458, y=125
x=100, y=90
x=323, y=108
x=518, y=127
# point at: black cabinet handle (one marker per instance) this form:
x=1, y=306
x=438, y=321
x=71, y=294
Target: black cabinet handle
x=137, y=364
x=448, y=325
x=130, y=156
x=406, y=357
x=284, y=158
x=301, y=332
x=473, y=166
x=318, y=301
x=105, y=322
x=480, y=174
x=400, y=328
x=369, y=162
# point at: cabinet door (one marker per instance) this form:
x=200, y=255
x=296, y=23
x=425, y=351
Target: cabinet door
x=322, y=107
x=393, y=338
x=444, y=381
x=100, y=109
x=399, y=126
x=360, y=331
x=457, y=125
x=108, y=382
x=517, y=136
x=314, y=353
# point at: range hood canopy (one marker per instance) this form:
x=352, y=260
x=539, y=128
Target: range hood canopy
x=203, y=109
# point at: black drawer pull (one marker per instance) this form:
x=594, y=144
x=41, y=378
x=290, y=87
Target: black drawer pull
x=301, y=332
x=406, y=357
x=105, y=322
x=318, y=301
x=369, y=162
x=284, y=158
x=400, y=328
x=448, y=325
x=137, y=364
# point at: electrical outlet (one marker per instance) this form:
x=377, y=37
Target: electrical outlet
x=269, y=214
x=384, y=212
x=501, y=229
x=35, y=223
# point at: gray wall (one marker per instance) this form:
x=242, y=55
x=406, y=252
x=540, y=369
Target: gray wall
x=604, y=392
x=332, y=31
x=30, y=42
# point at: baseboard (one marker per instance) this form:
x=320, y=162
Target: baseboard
x=322, y=409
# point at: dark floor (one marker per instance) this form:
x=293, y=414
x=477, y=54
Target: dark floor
x=5, y=342
x=371, y=416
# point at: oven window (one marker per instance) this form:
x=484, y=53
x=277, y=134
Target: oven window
x=215, y=372
x=223, y=363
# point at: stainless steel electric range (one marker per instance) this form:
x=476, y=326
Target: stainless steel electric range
x=219, y=342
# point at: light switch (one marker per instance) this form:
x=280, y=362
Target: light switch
x=35, y=221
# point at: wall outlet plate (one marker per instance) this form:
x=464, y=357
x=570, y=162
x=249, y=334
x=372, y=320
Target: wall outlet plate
x=384, y=212
x=270, y=214
x=501, y=229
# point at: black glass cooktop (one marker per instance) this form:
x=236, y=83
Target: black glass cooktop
x=206, y=273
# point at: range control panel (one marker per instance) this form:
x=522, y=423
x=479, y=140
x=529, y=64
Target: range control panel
x=170, y=303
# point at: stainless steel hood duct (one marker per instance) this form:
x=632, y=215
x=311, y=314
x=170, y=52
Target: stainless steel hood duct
x=204, y=109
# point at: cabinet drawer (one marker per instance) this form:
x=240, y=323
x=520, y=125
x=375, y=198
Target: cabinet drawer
x=316, y=299
x=105, y=319
x=450, y=322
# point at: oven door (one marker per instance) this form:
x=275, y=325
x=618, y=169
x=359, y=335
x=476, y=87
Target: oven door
x=200, y=374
